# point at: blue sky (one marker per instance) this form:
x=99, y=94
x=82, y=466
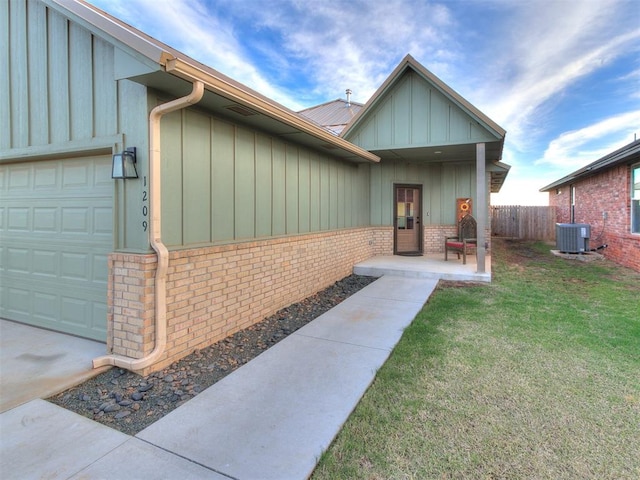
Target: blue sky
x=561, y=76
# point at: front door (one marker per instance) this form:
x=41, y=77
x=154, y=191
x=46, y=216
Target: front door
x=407, y=226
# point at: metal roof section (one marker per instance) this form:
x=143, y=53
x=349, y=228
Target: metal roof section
x=628, y=154
x=334, y=115
x=225, y=95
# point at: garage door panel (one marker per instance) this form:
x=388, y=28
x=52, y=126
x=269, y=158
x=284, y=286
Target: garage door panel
x=51, y=258
x=75, y=266
x=19, y=260
x=75, y=220
x=45, y=263
x=70, y=308
x=75, y=175
x=74, y=311
x=76, y=228
x=46, y=177
x=103, y=222
x=57, y=232
x=17, y=303
x=102, y=176
x=19, y=178
x=45, y=306
x=45, y=219
x=18, y=219
x=99, y=271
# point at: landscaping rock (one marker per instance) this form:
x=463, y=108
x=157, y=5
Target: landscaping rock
x=147, y=399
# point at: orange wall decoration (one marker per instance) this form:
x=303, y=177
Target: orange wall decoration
x=464, y=206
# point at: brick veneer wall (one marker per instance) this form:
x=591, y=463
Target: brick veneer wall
x=608, y=192
x=215, y=291
x=130, y=300
x=434, y=236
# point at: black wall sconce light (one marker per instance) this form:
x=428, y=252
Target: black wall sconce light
x=124, y=164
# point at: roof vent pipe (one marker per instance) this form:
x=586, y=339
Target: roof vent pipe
x=349, y=92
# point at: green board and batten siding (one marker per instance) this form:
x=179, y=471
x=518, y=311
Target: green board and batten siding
x=440, y=183
x=56, y=68
x=222, y=182
x=416, y=114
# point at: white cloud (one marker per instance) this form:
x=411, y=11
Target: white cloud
x=572, y=150
x=189, y=26
x=547, y=49
x=521, y=191
x=353, y=45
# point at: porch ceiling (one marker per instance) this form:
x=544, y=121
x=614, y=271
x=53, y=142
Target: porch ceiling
x=441, y=153
x=452, y=153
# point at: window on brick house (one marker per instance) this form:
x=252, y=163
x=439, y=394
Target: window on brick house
x=635, y=199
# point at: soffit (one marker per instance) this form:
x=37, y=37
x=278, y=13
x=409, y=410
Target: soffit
x=453, y=154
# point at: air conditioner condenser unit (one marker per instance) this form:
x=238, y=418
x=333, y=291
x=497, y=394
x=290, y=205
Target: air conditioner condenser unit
x=573, y=237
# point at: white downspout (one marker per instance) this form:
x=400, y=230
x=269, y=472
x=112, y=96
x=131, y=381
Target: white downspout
x=155, y=210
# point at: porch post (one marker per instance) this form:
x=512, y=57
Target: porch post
x=481, y=204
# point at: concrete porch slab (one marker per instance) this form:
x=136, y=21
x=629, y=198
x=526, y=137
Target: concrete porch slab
x=427, y=266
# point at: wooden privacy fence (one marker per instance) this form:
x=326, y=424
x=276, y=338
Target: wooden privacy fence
x=523, y=222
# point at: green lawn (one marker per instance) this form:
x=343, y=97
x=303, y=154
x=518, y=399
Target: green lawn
x=536, y=376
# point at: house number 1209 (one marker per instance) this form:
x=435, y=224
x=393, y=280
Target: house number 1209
x=145, y=209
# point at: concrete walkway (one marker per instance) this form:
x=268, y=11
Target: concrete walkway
x=270, y=419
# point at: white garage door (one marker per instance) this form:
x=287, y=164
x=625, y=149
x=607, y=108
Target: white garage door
x=56, y=226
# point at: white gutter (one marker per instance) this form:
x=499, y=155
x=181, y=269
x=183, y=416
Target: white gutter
x=155, y=210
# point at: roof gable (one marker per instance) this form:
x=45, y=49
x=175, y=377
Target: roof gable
x=414, y=108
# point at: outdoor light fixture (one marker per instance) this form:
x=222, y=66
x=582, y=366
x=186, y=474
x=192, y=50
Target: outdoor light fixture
x=124, y=164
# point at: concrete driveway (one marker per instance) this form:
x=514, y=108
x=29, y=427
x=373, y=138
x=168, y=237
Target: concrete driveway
x=38, y=363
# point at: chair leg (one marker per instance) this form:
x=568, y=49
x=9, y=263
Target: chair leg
x=464, y=256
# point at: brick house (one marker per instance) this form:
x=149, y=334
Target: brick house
x=238, y=206
x=606, y=195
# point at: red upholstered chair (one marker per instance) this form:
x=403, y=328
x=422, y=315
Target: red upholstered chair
x=466, y=239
